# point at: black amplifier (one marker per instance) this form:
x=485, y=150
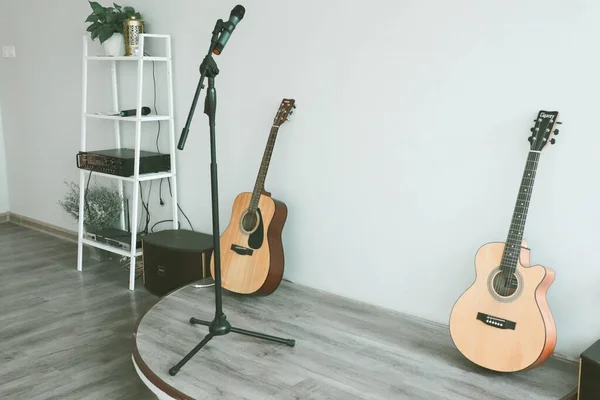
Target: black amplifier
x=589, y=373
x=121, y=161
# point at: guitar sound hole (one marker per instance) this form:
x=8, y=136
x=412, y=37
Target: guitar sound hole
x=249, y=222
x=505, y=283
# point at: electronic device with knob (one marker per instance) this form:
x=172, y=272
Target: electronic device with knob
x=121, y=162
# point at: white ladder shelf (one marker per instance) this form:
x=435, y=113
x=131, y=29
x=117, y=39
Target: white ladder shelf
x=138, y=119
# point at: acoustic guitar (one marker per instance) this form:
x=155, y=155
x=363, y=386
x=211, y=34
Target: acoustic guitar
x=251, y=247
x=503, y=321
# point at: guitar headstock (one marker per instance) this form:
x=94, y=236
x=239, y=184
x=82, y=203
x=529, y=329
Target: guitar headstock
x=543, y=130
x=285, y=110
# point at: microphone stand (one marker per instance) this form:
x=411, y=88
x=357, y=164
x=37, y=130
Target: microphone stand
x=219, y=326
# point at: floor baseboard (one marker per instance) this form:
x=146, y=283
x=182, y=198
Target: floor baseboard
x=3, y=217
x=44, y=227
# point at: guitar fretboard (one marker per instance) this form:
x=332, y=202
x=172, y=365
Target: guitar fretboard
x=517, y=225
x=262, y=172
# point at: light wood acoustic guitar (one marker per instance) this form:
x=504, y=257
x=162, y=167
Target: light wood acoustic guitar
x=503, y=321
x=252, y=259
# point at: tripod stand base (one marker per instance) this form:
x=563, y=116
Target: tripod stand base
x=289, y=342
x=219, y=327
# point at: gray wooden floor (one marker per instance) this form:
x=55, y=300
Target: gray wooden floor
x=345, y=350
x=63, y=334
x=66, y=335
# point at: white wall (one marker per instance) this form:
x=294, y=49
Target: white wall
x=3, y=177
x=406, y=150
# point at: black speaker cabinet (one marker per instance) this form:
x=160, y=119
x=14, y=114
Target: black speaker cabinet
x=589, y=373
x=175, y=258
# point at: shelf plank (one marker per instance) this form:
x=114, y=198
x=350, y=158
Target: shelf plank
x=142, y=177
x=125, y=58
x=158, y=175
x=145, y=118
x=112, y=249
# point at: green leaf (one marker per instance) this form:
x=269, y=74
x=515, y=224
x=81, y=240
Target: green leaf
x=111, y=17
x=95, y=34
x=118, y=7
x=106, y=32
x=129, y=10
x=92, y=18
x=98, y=9
x=93, y=26
x=138, y=15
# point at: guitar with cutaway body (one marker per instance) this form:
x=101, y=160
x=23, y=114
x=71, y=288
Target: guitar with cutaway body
x=503, y=321
x=252, y=259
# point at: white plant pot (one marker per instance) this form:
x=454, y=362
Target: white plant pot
x=114, y=46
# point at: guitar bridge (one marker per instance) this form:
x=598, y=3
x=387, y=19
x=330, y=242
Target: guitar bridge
x=241, y=250
x=496, y=322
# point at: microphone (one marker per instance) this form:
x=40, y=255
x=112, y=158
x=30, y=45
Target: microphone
x=129, y=113
x=236, y=16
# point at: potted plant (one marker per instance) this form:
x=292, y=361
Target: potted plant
x=107, y=26
x=102, y=208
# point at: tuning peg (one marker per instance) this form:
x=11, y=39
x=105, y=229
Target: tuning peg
x=532, y=129
x=559, y=123
x=552, y=141
x=530, y=138
x=293, y=106
x=556, y=132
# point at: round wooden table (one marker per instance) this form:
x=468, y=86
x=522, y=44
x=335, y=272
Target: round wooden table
x=344, y=350
x=228, y=365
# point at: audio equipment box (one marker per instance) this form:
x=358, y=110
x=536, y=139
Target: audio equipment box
x=121, y=161
x=589, y=373
x=175, y=258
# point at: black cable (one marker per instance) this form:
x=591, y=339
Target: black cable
x=162, y=203
x=87, y=187
x=162, y=222
x=140, y=223
x=155, y=109
x=186, y=217
x=145, y=206
x=148, y=216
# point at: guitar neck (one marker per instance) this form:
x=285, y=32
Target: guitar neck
x=517, y=225
x=264, y=167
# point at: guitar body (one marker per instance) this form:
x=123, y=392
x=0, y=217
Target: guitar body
x=481, y=322
x=252, y=261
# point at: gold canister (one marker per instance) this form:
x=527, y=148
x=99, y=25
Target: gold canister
x=132, y=29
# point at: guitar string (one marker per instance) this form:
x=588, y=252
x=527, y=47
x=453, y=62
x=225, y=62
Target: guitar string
x=262, y=171
x=507, y=272
x=519, y=225
x=256, y=192
x=532, y=171
x=254, y=200
x=266, y=159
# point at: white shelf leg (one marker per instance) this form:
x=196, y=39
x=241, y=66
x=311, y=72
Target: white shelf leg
x=136, y=170
x=172, y=135
x=115, y=92
x=81, y=173
x=134, y=224
x=80, y=222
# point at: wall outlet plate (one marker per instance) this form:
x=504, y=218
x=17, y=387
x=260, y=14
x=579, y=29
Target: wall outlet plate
x=8, y=52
